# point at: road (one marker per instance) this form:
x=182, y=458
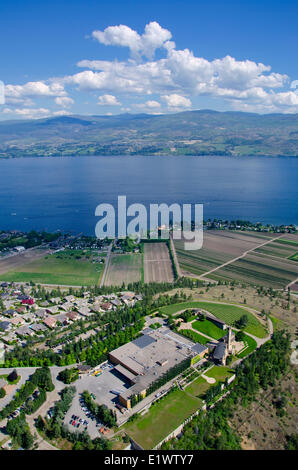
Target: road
x=42, y=444
x=106, y=265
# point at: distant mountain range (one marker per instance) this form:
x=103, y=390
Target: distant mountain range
x=203, y=132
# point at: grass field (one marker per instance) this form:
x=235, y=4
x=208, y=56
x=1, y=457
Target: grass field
x=227, y=313
x=207, y=327
x=194, y=336
x=162, y=418
x=199, y=386
x=220, y=373
x=124, y=268
x=70, y=267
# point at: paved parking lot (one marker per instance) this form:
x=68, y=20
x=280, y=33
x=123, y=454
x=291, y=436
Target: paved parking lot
x=101, y=387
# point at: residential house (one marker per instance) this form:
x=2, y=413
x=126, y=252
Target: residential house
x=73, y=316
x=107, y=306
x=17, y=321
x=5, y=325
x=50, y=322
x=40, y=313
x=37, y=327
x=24, y=331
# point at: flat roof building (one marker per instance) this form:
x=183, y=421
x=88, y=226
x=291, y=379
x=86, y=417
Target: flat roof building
x=147, y=358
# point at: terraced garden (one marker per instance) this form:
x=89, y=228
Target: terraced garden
x=225, y=312
x=251, y=346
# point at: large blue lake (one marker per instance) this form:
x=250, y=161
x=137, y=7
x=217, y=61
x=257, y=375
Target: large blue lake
x=62, y=193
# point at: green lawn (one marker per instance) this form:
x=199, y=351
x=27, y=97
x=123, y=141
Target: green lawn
x=227, y=313
x=193, y=336
x=198, y=387
x=162, y=418
x=277, y=323
x=64, y=268
x=251, y=346
x=207, y=327
x=220, y=373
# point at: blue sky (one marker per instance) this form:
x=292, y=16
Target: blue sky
x=111, y=56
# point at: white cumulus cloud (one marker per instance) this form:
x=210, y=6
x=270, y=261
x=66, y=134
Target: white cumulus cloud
x=176, y=101
x=153, y=38
x=108, y=100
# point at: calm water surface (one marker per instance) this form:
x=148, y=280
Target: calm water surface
x=62, y=193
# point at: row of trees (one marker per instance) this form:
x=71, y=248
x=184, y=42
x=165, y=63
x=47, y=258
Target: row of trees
x=101, y=412
x=40, y=379
x=68, y=375
x=20, y=433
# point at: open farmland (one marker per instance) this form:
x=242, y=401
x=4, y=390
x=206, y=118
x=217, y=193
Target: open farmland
x=124, y=268
x=162, y=418
x=265, y=259
x=277, y=250
x=219, y=247
x=70, y=267
x=12, y=263
x=228, y=313
x=157, y=263
x=258, y=269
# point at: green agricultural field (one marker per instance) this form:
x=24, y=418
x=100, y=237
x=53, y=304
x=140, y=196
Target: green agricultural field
x=124, y=268
x=207, y=327
x=162, y=418
x=276, y=250
x=218, y=248
x=251, y=343
x=225, y=312
x=294, y=257
x=70, y=267
x=286, y=241
x=259, y=269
